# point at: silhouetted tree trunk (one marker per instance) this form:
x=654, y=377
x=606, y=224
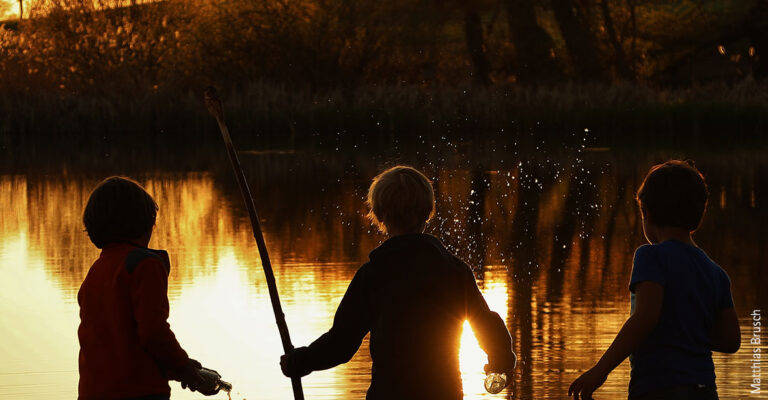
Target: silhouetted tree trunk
x=757, y=29
x=533, y=61
x=132, y=11
x=524, y=271
x=21, y=9
x=521, y=320
x=623, y=69
x=473, y=32
x=524, y=235
x=575, y=223
x=612, y=219
x=631, y=4
x=579, y=41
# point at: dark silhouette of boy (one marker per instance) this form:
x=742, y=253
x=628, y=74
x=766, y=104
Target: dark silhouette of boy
x=127, y=348
x=413, y=296
x=682, y=308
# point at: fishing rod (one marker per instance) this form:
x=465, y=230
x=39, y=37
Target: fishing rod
x=217, y=110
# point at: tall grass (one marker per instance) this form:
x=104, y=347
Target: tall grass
x=75, y=46
x=79, y=76
x=265, y=115
x=135, y=45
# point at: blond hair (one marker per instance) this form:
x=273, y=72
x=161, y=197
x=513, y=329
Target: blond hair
x=401, y=198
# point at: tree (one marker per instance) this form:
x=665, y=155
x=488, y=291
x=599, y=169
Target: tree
x=623, y=68
x=533, y=62
x=757, y=30
x=473, y=33
x=579, y=40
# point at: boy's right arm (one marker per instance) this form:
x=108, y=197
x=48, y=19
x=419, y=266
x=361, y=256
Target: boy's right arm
x=649, y=297
x=489, y=328
x=340, y=343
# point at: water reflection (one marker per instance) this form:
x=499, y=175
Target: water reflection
x=551, y=244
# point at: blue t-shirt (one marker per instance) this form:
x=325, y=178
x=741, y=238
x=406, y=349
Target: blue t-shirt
x=679, y=350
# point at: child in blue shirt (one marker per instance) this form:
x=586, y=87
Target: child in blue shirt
x=682, y=308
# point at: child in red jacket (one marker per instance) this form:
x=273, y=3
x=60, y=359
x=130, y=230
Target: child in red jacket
x=127, y=348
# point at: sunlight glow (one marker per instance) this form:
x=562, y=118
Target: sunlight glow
x=560, y=320
x=472, y=358
x=8, y=10
x=29, y=295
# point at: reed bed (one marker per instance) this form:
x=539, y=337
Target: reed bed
x=269, y=116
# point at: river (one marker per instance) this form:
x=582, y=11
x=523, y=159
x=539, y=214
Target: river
x=551, y=243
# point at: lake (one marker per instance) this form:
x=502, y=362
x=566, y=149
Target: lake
x=551, y=239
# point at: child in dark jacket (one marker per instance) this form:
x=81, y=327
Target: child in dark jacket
x=682, y=308
x=127, y=348
x=413, y=296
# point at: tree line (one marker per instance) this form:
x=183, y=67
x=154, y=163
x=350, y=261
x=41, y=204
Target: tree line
x=82, y=45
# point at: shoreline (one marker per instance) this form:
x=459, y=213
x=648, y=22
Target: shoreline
x=270, y=116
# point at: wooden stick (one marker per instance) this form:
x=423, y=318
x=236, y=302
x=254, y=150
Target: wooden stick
x=215, y=107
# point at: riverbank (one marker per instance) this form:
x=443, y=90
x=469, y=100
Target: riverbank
x=385, y=118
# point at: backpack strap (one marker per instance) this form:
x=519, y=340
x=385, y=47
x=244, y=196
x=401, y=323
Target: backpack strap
x=139, y=254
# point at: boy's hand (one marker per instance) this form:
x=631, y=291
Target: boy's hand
x=586, y=384
x=284, y=365
x=290, y=364
x=509, y=371
x=194, y=378
x=210, y=377
x=190, y=376
x=504, y=365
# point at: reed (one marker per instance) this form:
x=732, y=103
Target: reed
x=272, y=116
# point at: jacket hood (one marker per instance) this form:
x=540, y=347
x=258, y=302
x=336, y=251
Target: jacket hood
x=406, y=243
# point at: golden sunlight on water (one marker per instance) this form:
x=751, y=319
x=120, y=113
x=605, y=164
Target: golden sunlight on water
x=561, y=314
x=7, y=10
x=471, y=356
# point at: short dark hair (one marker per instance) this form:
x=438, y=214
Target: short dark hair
x=118, y=209
x=674, y=194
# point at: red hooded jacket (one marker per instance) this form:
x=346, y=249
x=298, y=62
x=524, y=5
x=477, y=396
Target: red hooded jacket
x=127, y=348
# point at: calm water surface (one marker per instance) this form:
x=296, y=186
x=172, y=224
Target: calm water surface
x=552, y=244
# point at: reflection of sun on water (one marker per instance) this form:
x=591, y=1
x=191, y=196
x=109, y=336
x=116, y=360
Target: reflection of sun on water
x=220, y=308
x=472, y=358
x=220, y=322
x=31, y=368
x=7, y=10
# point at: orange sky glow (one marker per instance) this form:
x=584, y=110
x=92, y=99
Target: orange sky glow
x=8, y=9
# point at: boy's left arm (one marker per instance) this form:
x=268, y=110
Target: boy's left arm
x=726, y=333
x=490, y=330
x=340, y=343
x=648, y=300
